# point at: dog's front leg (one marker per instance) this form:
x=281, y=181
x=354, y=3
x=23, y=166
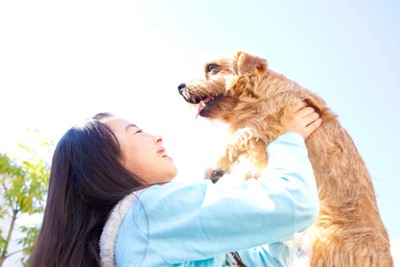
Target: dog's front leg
x=238, y=145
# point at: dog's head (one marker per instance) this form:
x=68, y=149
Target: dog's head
x=227, y=81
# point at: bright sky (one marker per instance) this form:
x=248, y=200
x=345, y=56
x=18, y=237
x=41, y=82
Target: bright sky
x=63, y=61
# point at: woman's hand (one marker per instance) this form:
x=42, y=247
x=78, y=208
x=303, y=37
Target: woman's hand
x=304, y=121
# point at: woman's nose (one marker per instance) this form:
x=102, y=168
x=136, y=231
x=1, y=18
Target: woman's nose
x=158, y=139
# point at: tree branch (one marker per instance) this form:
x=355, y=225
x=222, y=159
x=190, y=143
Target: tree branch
x=10, y=230
x=15, y=252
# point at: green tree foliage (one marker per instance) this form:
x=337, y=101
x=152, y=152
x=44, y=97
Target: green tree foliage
x=23, y=189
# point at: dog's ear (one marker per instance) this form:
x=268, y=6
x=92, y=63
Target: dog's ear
x=246, y=63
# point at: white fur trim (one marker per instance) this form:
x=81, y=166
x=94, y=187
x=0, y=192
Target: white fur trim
x=111, y=228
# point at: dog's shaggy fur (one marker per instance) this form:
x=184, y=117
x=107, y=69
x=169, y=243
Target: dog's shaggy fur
x=257, y=103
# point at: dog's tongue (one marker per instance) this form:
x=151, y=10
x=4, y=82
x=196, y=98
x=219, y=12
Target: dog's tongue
x=202, y=104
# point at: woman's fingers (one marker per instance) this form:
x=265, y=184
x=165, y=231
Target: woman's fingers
x=310, y=117
x=310, y=128
x=304, y=112
x=304, y=121
x=301, y=105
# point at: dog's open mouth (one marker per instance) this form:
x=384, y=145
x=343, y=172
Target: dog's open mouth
x=206, y=103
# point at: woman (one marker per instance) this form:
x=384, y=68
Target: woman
x=108, y=170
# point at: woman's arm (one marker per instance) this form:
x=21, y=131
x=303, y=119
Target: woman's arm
x=184, y=222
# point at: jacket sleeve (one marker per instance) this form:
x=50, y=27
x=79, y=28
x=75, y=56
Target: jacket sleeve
x=193, y=221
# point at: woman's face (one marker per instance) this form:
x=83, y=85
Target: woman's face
x=142, y=153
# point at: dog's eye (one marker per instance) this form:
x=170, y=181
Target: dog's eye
x=211, y=67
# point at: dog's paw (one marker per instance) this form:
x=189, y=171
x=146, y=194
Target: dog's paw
x=213, y=174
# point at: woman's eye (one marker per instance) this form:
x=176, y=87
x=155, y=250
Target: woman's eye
x=211, y=67
x=138, y=131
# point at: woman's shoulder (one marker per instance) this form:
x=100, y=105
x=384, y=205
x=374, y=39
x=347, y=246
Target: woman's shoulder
x=174, y=188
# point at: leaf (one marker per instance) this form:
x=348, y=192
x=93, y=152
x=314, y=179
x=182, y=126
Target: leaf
x=23, y=189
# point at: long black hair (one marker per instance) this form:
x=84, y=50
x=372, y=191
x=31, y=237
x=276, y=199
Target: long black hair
x=87, y=180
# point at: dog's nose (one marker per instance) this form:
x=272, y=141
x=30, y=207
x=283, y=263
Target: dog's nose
x=181, y=87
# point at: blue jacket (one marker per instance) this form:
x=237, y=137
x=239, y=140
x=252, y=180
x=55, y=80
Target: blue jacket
x=198, y=223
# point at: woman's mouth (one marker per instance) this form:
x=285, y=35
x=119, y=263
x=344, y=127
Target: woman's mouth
x=162, y=153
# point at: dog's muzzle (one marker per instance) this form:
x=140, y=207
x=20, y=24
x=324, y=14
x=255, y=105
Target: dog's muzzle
x=183, y=91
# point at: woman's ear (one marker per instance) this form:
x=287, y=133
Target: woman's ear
x=246, y=63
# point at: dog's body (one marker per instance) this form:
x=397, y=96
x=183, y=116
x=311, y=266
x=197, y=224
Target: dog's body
x=257, y=102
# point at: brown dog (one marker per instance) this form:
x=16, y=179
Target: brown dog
x=256, y=102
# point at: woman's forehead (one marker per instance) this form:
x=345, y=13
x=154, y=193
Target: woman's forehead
x=118, y=124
